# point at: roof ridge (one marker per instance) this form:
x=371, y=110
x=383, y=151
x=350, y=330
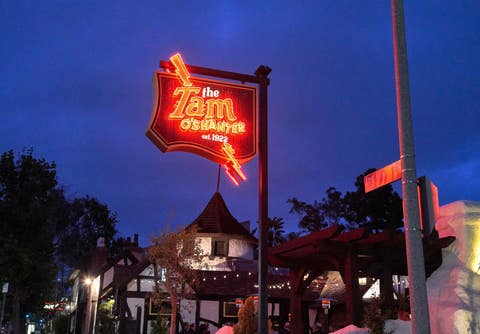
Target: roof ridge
x=217, y=218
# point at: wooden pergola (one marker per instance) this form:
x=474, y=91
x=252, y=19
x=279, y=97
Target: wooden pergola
x=355, y=253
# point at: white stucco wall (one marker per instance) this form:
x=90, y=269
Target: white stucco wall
x=205, y=244
x=147, y=284
x=107, y=277
x=209, y=309
x=237, y=248
x=240, y=248
x=188, y=308
x=149, y=271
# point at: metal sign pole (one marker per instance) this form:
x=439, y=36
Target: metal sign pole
x=260, y=78
x=262, y=73
x=413, y=233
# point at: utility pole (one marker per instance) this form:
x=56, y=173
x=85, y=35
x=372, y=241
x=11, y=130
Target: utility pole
x=413, y=233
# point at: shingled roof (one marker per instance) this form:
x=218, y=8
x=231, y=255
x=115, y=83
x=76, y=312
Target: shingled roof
x=216, y=218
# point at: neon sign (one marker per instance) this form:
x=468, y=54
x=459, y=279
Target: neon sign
x=214, y=119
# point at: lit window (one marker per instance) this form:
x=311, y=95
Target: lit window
x=163, y=274
x=362, y=280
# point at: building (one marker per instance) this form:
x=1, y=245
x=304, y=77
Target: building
x=117, y=295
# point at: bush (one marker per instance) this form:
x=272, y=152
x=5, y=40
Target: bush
x=159, y=326
x=375, y=315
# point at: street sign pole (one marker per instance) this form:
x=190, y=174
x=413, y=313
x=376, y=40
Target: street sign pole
x=413, y=233
x=260, y=78
x=262, y=73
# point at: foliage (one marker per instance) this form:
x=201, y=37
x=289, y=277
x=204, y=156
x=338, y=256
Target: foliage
x=276, y=233
x=329, y=211
x=178, y=254
x=105, y=323
x=379, y=209
x=88, y=220
x=375, y=315
x=28, y=195
x=159, y=326
x=247, y=318
x=40, y=227
x=292, y=236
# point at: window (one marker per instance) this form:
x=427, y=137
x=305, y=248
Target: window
x=163, y=274
x=219, y=248
x=230, y=310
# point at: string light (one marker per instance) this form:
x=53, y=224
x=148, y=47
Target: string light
x=285, y=285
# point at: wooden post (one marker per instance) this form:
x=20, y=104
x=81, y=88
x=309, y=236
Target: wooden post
x=296, y=292
x=352, y=290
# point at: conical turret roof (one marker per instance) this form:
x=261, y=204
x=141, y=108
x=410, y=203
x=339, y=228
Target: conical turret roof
x=216, y=218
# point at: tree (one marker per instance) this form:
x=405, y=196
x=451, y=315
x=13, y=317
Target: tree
x=178, y=254
x=276, y=233
x=329, y=211
x=29, y=193
x=87, y=220
x=379, y=209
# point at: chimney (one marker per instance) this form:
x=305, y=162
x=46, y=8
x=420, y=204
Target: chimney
x=135, y=240
x=100, y=254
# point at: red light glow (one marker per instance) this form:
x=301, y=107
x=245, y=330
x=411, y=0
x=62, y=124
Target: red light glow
x=214, y=119
x=180, y=69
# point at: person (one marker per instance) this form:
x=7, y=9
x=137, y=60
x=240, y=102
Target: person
x=203, y=329
x=225, y=329
x=285, y=329
x=191, y=329
x=185, y=328
x=317, y=328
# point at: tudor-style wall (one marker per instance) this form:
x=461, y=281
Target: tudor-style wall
x=236, y=248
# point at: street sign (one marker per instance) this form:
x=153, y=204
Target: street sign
x=200, y=115
x=5, y=287
x=214, y=119
x=428, y=204
x=383, y=176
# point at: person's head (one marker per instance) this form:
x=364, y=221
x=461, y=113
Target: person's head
x=192, y=326
x=186, y=325
x=287, y=325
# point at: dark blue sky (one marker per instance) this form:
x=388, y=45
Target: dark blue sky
x=76, y=86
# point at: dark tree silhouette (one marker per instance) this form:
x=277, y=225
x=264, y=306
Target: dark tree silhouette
x=276, y=232
x=329, y=211
x=88, y=220
x=40, y=231
x=379, y=209
x=28, y=196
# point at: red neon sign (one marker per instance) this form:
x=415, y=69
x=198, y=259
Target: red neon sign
x=214, y=119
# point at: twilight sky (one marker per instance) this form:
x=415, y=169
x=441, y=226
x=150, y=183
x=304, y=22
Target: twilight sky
x=76, y=86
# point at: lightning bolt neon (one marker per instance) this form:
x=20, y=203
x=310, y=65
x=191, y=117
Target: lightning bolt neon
x=180, y=69
x=233, y=167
